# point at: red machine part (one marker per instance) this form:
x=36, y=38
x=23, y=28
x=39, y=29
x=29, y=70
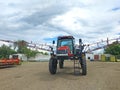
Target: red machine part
x=6, y=62
x=67, y=50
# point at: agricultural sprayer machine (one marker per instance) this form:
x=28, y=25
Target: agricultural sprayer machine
x=66, y=50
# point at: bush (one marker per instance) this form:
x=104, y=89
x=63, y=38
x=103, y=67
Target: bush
x=45, y=53
x=5, y=51
x=113, y=49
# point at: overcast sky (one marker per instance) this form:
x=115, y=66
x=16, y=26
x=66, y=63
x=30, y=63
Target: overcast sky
x=43, y=20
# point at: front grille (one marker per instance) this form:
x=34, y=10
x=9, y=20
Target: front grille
x=62, y=52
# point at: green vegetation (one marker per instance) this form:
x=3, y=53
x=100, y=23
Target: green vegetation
x=21, y=47
x=45, y=53
x=113, y=49
x=28, y=52
x=5, y=51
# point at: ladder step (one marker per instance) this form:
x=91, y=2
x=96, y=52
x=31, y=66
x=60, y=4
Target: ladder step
x=76, y=63
x=77, y=67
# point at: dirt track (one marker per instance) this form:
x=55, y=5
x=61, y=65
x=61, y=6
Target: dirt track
x=35, y=76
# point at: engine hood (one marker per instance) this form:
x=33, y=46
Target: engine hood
x=63, y=48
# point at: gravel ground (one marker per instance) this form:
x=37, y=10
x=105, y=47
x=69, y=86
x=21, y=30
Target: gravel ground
x=35, y=76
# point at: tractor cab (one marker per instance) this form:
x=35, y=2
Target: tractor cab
x=65, y=46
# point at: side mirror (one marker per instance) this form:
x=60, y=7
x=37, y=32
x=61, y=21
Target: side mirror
x=53, y=42
x=80, y=41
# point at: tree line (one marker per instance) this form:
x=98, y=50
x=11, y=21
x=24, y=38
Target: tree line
x=113, y=49
x=19, y=46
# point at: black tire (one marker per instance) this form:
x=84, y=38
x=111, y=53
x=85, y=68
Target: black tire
x=53, y=65
x=61, y=63
x=84, y=67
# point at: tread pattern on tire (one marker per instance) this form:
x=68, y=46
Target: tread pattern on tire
x=53, y=65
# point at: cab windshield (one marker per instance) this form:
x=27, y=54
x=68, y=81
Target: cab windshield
x=65, y=42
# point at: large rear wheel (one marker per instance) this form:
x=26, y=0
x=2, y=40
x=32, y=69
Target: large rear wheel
x=84, y=66
x=53, y=65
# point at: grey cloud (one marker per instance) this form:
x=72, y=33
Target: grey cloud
x=116, y=9
x=51, y=11
x=78, y=34
x=33, y=21
x=44, y=15
x=12, y=5
x=41, y=16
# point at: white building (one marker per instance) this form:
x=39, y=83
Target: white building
x=40, y=57
x=89, y=56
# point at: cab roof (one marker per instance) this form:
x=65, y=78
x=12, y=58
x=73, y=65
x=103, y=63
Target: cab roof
x=65, y=37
